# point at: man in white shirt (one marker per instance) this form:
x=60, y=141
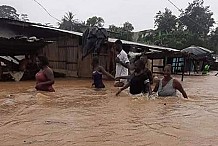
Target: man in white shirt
x=122, y=64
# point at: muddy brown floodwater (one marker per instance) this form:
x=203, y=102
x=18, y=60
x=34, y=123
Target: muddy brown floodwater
x=76, y=115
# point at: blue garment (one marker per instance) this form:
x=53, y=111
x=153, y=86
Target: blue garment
x=97, y=77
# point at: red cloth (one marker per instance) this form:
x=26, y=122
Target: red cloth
x=41, y=77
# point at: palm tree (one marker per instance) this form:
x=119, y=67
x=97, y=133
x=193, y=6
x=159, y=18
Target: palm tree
x=68, y=22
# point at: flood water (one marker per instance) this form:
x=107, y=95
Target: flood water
x=77, y=115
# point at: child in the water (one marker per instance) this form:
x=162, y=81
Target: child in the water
x=98, y=72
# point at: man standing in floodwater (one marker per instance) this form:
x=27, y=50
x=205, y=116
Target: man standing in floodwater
x=122, y=64
x=168, y=86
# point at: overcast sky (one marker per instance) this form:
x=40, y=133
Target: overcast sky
x=138, y=12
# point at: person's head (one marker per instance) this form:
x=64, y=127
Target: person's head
x=144, y=59
x=139, y=65
x=167, y=70
x=118, y=45
x=42, y=61
x=95, y=61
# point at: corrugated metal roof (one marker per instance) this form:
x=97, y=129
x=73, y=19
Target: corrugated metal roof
x=151, y=47
x=57, y=29
x=20, y=45
x=8, y=58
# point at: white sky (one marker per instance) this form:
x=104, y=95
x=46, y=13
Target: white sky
x=138, y=12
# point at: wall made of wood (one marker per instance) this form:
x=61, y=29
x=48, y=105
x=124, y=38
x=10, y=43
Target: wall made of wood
x=85, y=67
x=158, y=66
x=63, y=55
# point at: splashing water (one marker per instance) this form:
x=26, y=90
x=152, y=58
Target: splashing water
x=78, y=115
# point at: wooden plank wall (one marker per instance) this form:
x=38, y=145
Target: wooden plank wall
x=85, y=68
x=158, y=65
x=63, y=55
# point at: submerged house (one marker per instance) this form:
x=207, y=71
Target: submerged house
x=60, y=46
x=63, y=48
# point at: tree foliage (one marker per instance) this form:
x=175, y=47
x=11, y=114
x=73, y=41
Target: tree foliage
x=68, y=22
x=24, y=17
x=11, y=13
x=95, y=21
x=128, y=27
x=197, y=18
x=166, y=21
x=8, y=12
x=124, y=32
x=192, y=27
x=213, y=40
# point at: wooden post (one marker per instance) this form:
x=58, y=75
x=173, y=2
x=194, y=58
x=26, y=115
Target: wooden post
x=189, y=60
x=177, y=65
x=182, y=72
x=0, y=71
x=165, y=61
x=183, y=68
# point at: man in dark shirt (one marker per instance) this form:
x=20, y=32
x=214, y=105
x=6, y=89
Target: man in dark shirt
x=138, y=81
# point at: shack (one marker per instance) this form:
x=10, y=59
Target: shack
x=60, y=46
x=157, y=56
x=63, y=48
x=197, y=57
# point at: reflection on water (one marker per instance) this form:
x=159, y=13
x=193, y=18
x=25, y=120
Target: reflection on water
x=78, y=115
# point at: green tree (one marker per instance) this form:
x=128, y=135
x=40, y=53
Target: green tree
x=124, y=32
x=24, y=17
x=179, y=39
x=114, y=31
x=197, y=18
x=191, y=28
x=166, y=21
x=68, y=22
x=213, y=40
x=95, y=21
x=166, y=33
x=128, y=27
x=8, y=12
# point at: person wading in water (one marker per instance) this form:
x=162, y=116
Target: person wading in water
x=98, y=72
x=168, y=86
x=45, y=76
